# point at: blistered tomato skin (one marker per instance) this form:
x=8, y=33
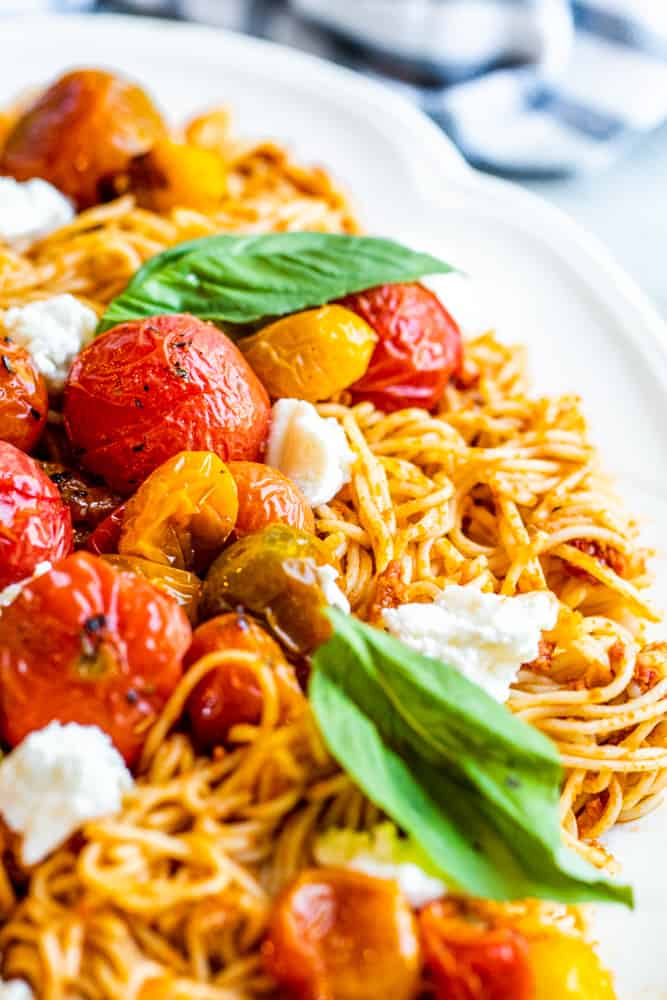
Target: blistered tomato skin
x=35, y=524
x=84, y=643
x=232, y=693
x=80, y=132
x=418, y=349
x=183, y=513
x=266, y=497
x=337, y=934
x=24, y=399
x=147, y=389
x=184, y=587
x=311, y=355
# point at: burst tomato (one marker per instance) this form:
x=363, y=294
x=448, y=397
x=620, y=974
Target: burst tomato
x=337, y=934
x=418, y=349
x=24, y=399
x=266, y=497
x=81, y=132
x=104, y=539
x=84, y=643
x=147, y=389
x=467, y=961
x=232, y=693
x=35, y=525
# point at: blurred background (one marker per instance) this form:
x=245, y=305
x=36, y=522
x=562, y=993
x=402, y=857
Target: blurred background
x=568, y=97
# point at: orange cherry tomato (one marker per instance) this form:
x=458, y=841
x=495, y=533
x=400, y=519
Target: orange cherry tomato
x=232, y=693
x=81, y=132
x=337, y=934
x=184, y=587
x=418, y=350
x=567, y=968
x=266, y=497
x=24, y=399
x=467, y=961
x=147, y=389
x=174, y=174
x=105, y=537
x=183, y=513
x=35, y=525
x=84, y=643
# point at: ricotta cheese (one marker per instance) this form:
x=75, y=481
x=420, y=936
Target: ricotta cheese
x=10, y=593
x=311, y=450
x=485, y=636
x=33, y=208
x=327, y=577
x=53, y=331
x=55, y=780
x=382, y=853
x=15, y=989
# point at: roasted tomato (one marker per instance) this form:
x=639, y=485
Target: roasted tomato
x=232, y=693
x=81, y=132
x=84, y=643
x=567, y=968
x=174, y=174
x=183, y=513
x=104, y=539
x=273, y=574
x=88, y=503
x=467, y=961
x=267, y=497
x=311, y=355
x=419, y=346
x=337, y=934
x=35, y=525
x=24, y=399
x=148, y=389
x=184, y=587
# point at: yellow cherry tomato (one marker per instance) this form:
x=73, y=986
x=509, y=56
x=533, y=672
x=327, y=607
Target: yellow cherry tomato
x=568, y=968
x=183, y=586
x=178, y=174
x=183, y=513
x=311, y=355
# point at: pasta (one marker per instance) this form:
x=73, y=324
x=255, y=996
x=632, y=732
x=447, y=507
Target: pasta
x=171, y=898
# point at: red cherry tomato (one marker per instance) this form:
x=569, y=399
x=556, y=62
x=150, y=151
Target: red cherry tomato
x=106, y=536
x=266, y=497
x=232, y=694
x=337, y=934
x=35, y=524
x=24, y=399
x=148, y=389
x=84, y=643
x=467, y=961
x=418, y=349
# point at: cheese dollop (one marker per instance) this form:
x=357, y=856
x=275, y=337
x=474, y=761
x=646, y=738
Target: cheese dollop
x=327, y=577
x=55, y=780
x=485, y=636
x=311, y=450
x=53, y=331
x=15, y=989
x=382, y=853
x=33, y=208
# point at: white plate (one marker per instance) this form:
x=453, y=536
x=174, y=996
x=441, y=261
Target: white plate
x=589, y=327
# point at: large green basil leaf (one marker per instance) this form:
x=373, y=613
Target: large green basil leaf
x=240, y=280
x=476, y=787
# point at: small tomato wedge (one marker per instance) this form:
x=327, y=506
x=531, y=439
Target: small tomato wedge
x=35, y=524
x=467, y=961
x=232, y=693
x=84, y=643
x=183, y=513
x=266, y=497
x=337, y=934
x=418, y=349
x=24, y=400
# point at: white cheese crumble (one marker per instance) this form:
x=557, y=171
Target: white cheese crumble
x=53, y=331
x=33, y=208
x=327, y=577
x=55, y=780
x=485, y=636
x=15, y=989
x=10, y=593
x=382, y=853
x=311, y=450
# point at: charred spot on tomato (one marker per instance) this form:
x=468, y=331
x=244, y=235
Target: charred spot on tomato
x=95, y=623
x=6, y=364
x=131, y=696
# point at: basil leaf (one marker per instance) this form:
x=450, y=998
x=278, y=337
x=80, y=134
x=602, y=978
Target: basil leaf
x=239, y=280
x=476, y=787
